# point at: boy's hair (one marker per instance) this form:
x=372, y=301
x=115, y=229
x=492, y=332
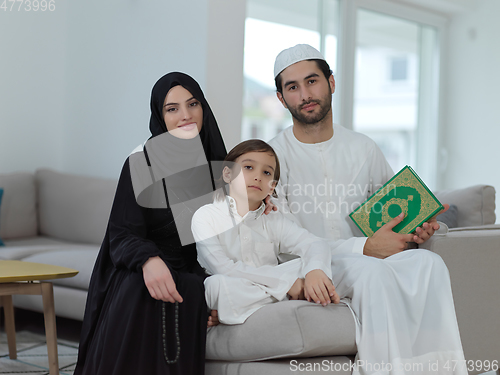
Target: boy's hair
x=252, y=145
x=322, y=65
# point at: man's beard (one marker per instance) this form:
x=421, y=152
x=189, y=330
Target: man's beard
x=325, y=105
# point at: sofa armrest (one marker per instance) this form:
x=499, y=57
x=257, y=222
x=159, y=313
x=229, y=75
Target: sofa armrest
x=473, y=259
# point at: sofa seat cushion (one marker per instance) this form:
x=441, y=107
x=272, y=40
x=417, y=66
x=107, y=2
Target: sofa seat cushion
x=338, y=365
x=20, y=248
x=285, y=329
x=78, y=257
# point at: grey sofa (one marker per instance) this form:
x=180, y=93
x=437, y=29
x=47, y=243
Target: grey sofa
x=297, y=337
x=57, y=218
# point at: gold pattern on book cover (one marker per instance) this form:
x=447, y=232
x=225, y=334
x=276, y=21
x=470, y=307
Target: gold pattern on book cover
x=404, y=193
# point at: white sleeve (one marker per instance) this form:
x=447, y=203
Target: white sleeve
x=277, y=280
x=351, y=245
x=380, y=171
x=294, y=239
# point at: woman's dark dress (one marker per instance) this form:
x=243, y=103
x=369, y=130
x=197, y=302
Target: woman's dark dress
x=122, y=332
x=121, y=311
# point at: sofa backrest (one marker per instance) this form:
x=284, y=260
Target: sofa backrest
x=18, y=207
x=475, y=204
x=73, y=208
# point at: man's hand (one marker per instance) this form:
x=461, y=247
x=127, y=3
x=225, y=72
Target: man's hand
x=159, y=281
x=297, y=290
x=385, y=242
x=319, y=288
x=269, y=205
x=428, y=229
x=213, y=319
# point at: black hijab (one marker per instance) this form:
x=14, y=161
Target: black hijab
x=180, y=173
x=210, y=134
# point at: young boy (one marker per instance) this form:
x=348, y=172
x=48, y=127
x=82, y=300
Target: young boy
x=240, y=247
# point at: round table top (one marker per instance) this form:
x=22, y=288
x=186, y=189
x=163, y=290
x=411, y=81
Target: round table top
x=17, y=270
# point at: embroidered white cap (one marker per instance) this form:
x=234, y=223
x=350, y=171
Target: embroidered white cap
x=293, y=55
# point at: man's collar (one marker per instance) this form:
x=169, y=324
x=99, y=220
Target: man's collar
x=321, y=136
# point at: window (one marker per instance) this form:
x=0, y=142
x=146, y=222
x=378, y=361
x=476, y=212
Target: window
x=270, y=27
x=399, y=68
x=385, y=58
x=391, y=54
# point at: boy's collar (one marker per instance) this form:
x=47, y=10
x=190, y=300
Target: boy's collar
x=230, y=204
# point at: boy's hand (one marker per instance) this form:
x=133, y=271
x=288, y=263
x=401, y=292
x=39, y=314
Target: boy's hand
x=297, y=290
x=319, y=288
x=213, y=319
x=269, y=205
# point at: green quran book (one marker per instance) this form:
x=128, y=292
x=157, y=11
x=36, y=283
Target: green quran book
x=405, y=192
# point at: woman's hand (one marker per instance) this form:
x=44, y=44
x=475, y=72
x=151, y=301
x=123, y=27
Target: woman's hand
x=297, y=290
x=159, y=281
x=213, y=319
x=319, y=288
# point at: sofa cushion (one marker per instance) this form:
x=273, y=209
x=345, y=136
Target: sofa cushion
x=476, y=204
x=19, y=248
x=68, y=303
x=18, y=214
x=338, y=365
x=450, y=216
x=74, y=208
x=304, y=329
x=80, y=258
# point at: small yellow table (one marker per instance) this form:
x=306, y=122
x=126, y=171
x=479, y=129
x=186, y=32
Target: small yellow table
x=18, y=277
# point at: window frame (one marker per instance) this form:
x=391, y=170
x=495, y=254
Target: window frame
x=430, y=130
x=430, y=135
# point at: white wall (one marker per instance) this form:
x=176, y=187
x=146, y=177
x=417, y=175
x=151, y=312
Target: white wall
x=472, y=124
x=116, y=52
x=224, y=75
x=32, y=70
x=75, y=83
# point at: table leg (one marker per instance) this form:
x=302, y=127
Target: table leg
x=10, y=326
x=50, y=327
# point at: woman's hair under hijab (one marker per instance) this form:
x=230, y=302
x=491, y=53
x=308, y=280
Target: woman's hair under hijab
x=252, y=145
x=322, y=65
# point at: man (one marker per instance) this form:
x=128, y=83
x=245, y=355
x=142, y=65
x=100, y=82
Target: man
x=328, y=170
x=401, y=300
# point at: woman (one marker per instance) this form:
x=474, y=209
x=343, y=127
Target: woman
x=146, y=311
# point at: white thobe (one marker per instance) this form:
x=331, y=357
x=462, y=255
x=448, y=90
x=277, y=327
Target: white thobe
x=322, y=183
x=243, y=254
x=403, y=305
